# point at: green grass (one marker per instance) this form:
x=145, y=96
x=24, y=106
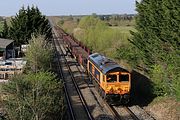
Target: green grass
x=124, y=29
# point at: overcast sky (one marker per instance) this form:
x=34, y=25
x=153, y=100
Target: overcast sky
x=70, y=7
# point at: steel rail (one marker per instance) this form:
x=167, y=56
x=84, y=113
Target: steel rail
x=77, y=88
x=131, y=113
x=64, y=86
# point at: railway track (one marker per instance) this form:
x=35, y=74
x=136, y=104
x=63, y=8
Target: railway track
x=114, y=112
x=60, y=74
x=124, y=113
x=76, y=102
x=131, y=113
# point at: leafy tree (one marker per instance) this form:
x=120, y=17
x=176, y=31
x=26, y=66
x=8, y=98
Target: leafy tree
x=18, y=31
x=91, y=26
x=130, y=53
x=34, y=97
x=97, y=35
x=38, y=24
x=88, y=22
x=39, y=54
x=157, y=39
x=29, y=22
x=5, y=32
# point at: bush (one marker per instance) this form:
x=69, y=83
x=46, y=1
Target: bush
x=163, y=83
x=39, y=54
x=99, y=37
x=34, y=97
x=131, y=54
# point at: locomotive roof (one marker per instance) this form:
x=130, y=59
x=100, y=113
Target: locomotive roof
x=105, y=64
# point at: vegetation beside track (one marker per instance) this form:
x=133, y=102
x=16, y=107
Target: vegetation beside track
x=97, y=34
x=36, y=94
x=156, y=44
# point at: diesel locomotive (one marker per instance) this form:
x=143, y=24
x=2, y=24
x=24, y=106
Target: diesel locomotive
x=113, y=82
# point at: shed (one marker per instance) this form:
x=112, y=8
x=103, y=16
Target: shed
x=6, y=48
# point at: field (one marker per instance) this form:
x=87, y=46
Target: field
x=125, y=33
x=124, y=29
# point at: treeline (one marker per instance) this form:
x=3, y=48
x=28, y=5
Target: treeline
x=155, y=45
x=71, y=22
x=118, y=20
x=25, y=24
x=37, y=93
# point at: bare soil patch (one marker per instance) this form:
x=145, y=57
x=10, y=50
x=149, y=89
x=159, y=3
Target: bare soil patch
x=164, y=109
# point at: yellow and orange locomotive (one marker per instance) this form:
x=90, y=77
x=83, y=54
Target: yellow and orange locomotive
x=113, y=82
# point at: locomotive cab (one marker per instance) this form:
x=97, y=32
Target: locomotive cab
x=112, y=81
x=117, y=87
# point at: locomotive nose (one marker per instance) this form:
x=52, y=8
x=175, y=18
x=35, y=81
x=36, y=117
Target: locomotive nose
x=115, y=90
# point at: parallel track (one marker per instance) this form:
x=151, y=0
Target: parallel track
x=60, y=73
x=131, y=113
x=72, y=112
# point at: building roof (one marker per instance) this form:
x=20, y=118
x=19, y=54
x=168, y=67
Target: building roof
x=5, y=42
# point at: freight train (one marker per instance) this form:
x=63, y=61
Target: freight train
x=111, y=80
